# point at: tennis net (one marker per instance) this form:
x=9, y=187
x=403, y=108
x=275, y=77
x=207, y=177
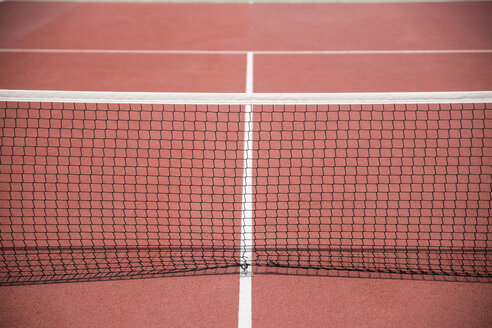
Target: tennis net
x=118, y=185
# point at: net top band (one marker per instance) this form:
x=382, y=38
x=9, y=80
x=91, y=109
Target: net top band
x=245, y=98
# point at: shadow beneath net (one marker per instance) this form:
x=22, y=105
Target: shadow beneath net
x=271, y=271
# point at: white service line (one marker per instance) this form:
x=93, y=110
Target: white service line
x=246, y=52
x=371, y=52
x=127, y=51
x=245, y=314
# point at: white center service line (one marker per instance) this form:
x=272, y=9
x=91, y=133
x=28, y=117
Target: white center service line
x=245, y=314
x=245, y=52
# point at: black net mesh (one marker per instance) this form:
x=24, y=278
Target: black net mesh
x=381, y=189
x=105, y=191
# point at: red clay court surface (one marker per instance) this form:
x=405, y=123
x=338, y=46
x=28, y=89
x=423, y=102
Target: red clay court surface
x=128, y=47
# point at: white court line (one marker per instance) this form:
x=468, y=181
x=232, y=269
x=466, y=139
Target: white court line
x=245, y=52
x=252, y=1
x=245, y=314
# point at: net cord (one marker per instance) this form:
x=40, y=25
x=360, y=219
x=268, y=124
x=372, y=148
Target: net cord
x=246, y=98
